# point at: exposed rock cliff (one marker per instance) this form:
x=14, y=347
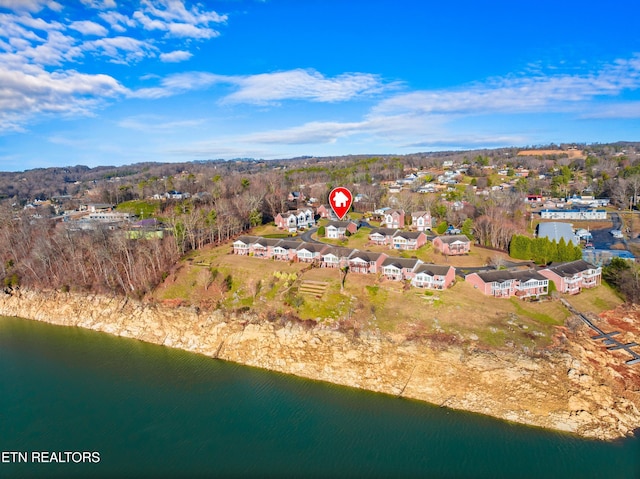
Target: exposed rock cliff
x=580, y=388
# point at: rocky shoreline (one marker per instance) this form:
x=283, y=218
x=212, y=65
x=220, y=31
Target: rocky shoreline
x=577, y=388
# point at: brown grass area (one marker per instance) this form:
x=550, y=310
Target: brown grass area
x=569, y=153
x=371, y=301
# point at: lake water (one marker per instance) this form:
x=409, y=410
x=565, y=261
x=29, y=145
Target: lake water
x=150, y=411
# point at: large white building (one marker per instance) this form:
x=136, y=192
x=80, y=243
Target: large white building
x=581, y=214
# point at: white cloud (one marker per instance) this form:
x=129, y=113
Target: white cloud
x=118, y=21
x=100, y=4
x=521, y=94
x=172, y=17
x=175, y=56
x=158, y=124
x=30, y=5
x=121, y=49
x=33, y=91
x=302, y=85
x=267, y=88
x=87, y=27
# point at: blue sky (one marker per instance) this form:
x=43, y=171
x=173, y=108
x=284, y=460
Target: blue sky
x=112, y=82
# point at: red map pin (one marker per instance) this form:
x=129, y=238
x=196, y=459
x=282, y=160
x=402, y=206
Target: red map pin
x=340, y=200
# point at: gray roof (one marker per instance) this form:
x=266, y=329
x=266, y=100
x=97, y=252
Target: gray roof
x=571, y=268
x=340, y=251
x=339, y=224
x=268, y=241
x=314, y=247
x=433, y=269
x=289, y=244
x=408, y=234
x=555, y=230
x=384, y=231
x=448, y=239
x=246, y=239
x=365, y=255
x=402, y=263
x=501, y=276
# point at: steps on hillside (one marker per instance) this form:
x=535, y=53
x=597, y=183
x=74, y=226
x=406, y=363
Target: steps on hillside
x=315, y=288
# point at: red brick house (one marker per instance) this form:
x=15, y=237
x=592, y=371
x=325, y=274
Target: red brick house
x=286, y=250
x=366, y=262
x=311, y=252
x=409, y=240
x=421, y=221
x=398, y=269
x=294, y=219
x=505, y=284
x=394, y=219
x=242, y=245
x=452, y=244
x=382, y=236
x=338, y=229
x=433, y=276
x=571, y=277
x=336, y=257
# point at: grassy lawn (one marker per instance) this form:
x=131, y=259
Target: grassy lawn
x=596, y=300
x=140, y=208
x=213, y=277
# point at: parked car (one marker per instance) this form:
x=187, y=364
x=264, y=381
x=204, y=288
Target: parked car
x=617, y=234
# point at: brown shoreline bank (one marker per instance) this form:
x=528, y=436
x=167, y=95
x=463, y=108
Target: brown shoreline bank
x=569, y=390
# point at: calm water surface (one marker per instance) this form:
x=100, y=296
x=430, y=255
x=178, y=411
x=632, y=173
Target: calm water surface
x=155, y=412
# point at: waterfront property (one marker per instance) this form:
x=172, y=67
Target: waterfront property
x=452, y=244
x=432, y=276
x=399, y=269
x=505, y=283
x=336, y=257
x=571, y=277
x=366, y=262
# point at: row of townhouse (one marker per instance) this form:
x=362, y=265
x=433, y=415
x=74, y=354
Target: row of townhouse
x=420, y=274
x=295, y=219
x=570, y=278
x=412, y=240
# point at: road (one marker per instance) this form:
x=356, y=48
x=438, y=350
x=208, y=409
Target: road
x=602, y=238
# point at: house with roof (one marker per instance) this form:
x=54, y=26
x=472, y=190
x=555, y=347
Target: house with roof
x=338, y=229
x=399, y=269
x=366, y=262
x=572, y=276
x=296, y=196
x=382, y=236
x=325, y=211
x=311, y=252
x=294, y=219
x=263, y=247
x=393, y=219
x=286, y=250
x=336, y=257
x=452, y=244
x=408, y=240
x=432, y=276
x=505, y=283
x=242, y=245
x=421, y=220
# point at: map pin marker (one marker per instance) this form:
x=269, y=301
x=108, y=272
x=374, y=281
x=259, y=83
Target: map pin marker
x=340, y=200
